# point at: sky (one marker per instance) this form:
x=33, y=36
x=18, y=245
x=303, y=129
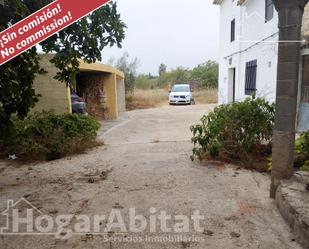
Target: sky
x=173, y=32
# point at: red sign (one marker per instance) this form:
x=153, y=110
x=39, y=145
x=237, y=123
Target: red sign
x=43, y=24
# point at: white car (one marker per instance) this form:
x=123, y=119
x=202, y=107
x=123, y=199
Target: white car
x=181, y=94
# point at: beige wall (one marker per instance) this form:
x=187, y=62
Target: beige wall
x=121, y=92
x=110, y=88
x=57, y=96
x=54, y=95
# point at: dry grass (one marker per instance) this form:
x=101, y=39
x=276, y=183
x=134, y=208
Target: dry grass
x=206, y=96
x=144, y=99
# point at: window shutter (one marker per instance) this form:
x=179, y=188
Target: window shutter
x=250, y=85
x=269, y=10
x=233, y=30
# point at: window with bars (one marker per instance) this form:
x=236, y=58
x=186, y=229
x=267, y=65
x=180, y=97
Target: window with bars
x=269, y=10
x=251, y=69
x=233, y=30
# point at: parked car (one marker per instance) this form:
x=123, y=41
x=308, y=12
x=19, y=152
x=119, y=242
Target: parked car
x=181, y=94
x=78, y=104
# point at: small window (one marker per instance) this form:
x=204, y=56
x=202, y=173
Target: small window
x=251, y=68
x=233, y=30
x=269, y=10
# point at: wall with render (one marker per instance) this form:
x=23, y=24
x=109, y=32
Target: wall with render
x=54, y=94
x=256, y=39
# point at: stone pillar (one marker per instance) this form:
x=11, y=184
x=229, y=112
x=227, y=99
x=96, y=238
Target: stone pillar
x=290, y=20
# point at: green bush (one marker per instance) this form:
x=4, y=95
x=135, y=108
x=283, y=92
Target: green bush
x=234, y=129
x=305, y=167
x=50, y=136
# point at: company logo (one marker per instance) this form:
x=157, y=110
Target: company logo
x=23, y=218
x=246, y=29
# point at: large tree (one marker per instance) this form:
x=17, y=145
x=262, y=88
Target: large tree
x=84, y=40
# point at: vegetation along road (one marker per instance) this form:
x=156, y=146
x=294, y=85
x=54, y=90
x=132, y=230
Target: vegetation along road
x=145, y=163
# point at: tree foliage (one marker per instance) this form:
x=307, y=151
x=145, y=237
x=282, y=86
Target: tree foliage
x=129, y=68
x=17, y=95
x=162, y=69
x=84, y=40
x=178, y=75
x=206, y=74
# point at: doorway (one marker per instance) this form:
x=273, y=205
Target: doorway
x=231, y=85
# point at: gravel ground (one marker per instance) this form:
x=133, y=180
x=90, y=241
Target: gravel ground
x=145, y=163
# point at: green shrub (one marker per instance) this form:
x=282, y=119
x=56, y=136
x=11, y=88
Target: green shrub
x=50, y=136
x=302, y=151
x=305, y=167
x=234, y=129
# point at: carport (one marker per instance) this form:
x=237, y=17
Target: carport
x=100, y=85
x=103, y=89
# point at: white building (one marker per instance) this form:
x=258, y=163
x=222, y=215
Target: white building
x=249, y=37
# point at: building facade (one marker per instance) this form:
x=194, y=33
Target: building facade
x=249, y=38
x=248, y=50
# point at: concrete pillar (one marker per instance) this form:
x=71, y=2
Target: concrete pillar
x=110, y=87
x=290, y=20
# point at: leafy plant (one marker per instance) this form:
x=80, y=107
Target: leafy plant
x=270, y=163
x=302, y=151
x=50, y=136
x=235, y=129
x=305, y=167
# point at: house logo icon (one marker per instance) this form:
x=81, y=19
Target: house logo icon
x=249, y=20
x=21, y=217
x=18, y=217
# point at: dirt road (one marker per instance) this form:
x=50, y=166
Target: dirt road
x=146, y=164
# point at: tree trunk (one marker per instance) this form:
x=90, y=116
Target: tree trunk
x=290, y=20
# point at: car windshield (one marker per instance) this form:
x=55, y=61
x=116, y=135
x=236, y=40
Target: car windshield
x=180, y=88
